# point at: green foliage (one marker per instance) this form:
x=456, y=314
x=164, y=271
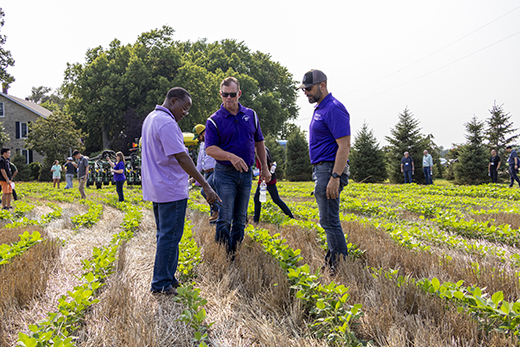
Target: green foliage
x=298, y=166
x=91, y=217
x=35, y=169
x=24, y=172
x=472, y=165
x=4, y=136
x=406, y=137
x=367, y=160
x=114, y=90
x=278, y=155
x=6, y=59
x=26, y=241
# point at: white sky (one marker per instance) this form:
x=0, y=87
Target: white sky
x=366, y=48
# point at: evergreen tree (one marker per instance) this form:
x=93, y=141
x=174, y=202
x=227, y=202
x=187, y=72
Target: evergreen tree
x=298, y=167
x=472, y=164
x=367, y=160
x=24, y=173
x=278, y=155
x=406, y=137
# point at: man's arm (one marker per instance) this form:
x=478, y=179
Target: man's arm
x=401, y=166
x=4, y=174
x=339, y=165
x=413, y=166
x=187, y=165
x=262, y=157
x=499, y=162
x=219, y=154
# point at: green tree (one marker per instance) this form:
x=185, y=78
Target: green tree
x=298, y=166
x=367, y=159
x=24, y=173
x=278, y=155
x=53, y=138
x=406, y=137
x=134, y=78
x=4, y=137
x=43, y=96
x=6, y=58
x=472, y=164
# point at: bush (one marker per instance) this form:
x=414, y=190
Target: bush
x=24, y=172
x=34, y=170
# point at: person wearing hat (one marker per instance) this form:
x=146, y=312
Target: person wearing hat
x=70, y=168
x=82, y=166
x=329, y=147
x=207, y=164
x=233, y=135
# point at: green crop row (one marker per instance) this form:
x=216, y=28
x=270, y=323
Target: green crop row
x=91, y=217
x=17, y=248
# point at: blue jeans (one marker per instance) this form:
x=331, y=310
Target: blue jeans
x=427, y=175
x=408, y=176
x=119, y=190
x=234, y=189
x=273, y=191
x=329, y=211
x=209, y=177
x=513, y=175
x=68, y=179
x=169, y=218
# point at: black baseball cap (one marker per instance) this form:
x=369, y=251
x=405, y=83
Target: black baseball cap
x=312, y=77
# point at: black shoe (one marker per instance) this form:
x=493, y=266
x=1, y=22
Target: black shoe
x=171, y=291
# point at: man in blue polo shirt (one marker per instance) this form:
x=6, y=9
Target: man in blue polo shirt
x=513, y=165
x=232, y=136
x=329, y=147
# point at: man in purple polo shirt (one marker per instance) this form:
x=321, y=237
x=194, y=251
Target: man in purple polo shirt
x=329, y=147
x=232, y=135
x=165, y=169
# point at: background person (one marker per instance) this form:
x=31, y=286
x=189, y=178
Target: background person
x=407, y=167
x=56, y=173
x=207, y=164
x=493, y=166
x=513, y=166
x=427, y=167
x=165, y=170
x=5, y=178
x=271, y=188
x=82, y=172
x=329, y=148
x=118, y=170
x=70, y=168
x=232, y=135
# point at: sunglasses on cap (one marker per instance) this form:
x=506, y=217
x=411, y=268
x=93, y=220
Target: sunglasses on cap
x=225, y=95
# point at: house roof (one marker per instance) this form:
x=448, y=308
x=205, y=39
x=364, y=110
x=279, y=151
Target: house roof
x=31, y=106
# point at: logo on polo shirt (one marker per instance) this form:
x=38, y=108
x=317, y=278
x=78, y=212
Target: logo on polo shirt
x=246, y=118
x=317, y=116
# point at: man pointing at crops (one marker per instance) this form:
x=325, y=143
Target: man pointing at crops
x=329, y=147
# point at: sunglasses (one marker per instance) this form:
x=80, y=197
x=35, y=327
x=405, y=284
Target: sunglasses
x=225, y=95
x=307, y=88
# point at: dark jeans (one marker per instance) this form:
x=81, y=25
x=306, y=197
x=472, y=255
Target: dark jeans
x=408, y=176
x=273, y=191
x=234, y=189
x=513, y=175
x=209, y=177
x=119, y=190
x=169, y=218
x=427, y=175
x=329, y=211
x=494, y=176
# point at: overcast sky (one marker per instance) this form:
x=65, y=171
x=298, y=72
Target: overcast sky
x=445, y=60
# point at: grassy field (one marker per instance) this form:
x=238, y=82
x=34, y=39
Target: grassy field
x=428, y=266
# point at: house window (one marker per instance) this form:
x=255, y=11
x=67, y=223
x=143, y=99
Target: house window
x=2, y=109
x=22, y=129
x=27, y=154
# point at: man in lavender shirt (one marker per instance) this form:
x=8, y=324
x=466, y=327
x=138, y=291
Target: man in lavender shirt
x=166, y=166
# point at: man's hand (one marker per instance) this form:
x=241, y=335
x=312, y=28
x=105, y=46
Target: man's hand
x=239, y=164
x=333, y=188
x=211, y=196
x=265, y=175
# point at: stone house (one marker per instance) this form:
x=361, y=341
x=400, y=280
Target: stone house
x=16, y=114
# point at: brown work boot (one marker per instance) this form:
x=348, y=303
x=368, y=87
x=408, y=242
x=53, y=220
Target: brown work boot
x=214, y=217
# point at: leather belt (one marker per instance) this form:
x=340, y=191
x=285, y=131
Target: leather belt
x=209, y=170
x=322, y=162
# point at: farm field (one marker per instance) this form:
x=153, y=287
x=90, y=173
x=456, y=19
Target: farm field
x=427, y=266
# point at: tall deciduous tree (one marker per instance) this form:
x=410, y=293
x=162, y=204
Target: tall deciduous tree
x=367, y=159
x=406, y=137
x=136, y=77
x=6, y=59
x=54, y=138
x=472, y=164
x=298, y=166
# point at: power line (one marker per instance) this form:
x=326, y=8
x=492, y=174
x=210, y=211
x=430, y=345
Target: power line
x=429, y=55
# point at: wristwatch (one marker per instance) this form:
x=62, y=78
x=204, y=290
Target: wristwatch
x=335, y=175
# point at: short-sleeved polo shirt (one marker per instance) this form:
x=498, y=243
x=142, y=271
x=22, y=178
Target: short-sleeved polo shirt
x=163, y=179
x=236, y=134
x=329, y=122
x=511, y=159
x=407, y=163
